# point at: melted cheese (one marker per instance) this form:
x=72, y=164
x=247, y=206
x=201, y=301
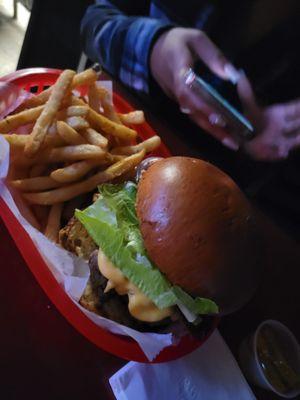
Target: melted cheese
x=139, y=305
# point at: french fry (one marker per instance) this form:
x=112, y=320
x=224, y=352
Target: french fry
x=59, y=91
x=77, y=123
x=13, y=122
x=100, y=97
x=68, y=134
x=106, y=103
x=147, y=145
x=83, y=78
x=73, y=111
x=132, y=118
x=19, y=141
x=68, y=192
x=35, y=184
x=53, y=224
x=86, y=77
x=94, y=98
x=73, y=172
x=63, y=154
x=94, y=137
x=53, y=139
x=103, y=124
x=73, y=153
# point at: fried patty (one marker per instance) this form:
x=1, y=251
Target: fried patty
x=75, y=238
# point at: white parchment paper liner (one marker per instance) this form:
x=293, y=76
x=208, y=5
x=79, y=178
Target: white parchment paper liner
x=72, y=272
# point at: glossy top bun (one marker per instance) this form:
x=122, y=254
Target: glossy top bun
x=200, y=230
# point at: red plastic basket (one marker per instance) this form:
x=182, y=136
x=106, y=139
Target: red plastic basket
x=121, y=346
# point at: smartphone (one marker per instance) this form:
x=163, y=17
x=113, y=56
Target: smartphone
x=236, y=124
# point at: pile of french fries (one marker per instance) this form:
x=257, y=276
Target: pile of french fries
x=75, y=143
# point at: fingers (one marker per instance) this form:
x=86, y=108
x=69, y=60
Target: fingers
x=297, y=142
x=216, y=131
x=190, y=103
x=212, y=56
x=292, y=110
x=202, y=114
x=291, y=128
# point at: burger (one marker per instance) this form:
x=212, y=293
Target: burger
x=179, y=246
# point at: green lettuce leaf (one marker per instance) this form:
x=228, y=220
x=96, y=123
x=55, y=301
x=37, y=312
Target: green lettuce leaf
x=113, y=224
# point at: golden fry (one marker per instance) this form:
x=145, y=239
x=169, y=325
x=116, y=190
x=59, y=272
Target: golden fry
x=101, y=123
x=147, y=145
x=77, y=123
x=77, y=111
x=35, y=184
x=53, y=224
x=94, y=98
x=106, y=103
x=94, y=137
x=68, y=192
x=100, y=97
x=63, y=154
x=53, y=139
x=13, y=122
x=68, y=134
x=83, y=78
x=73, y=153
x=19, y=141
x=73, y=111
x=75, y=171
x=86, y=77
x=134, y=117
x=59, y=91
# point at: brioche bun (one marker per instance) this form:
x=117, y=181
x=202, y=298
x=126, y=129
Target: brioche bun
x=200, y=230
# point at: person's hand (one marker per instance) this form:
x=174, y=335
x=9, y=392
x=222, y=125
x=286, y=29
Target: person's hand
x=277, y=126
x=173, y=54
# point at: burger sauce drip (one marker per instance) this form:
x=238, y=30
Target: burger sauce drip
x=139, y=305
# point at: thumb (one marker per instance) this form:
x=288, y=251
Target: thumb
x=212, y=56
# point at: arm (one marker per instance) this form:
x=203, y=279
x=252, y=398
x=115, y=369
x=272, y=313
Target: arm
x=130, y=46
x=116, y=34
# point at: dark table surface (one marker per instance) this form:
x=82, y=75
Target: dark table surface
x=42, y=356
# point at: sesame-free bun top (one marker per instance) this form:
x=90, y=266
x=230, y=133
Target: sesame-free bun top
x=200, y=230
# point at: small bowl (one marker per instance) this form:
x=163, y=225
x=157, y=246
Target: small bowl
x=252, y=366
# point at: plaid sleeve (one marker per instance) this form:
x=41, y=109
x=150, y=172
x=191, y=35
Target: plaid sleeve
x=121, y=43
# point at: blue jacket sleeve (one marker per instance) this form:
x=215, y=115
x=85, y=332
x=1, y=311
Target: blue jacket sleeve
x=119, y=35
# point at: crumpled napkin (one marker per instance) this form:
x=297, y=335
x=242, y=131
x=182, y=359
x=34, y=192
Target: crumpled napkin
x=209, y=373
